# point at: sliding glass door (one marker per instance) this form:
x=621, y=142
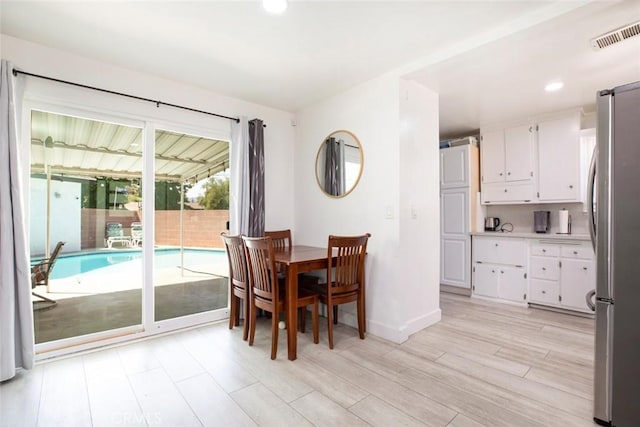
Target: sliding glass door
x=191, y=209
x=95, y=275
x=84, y=199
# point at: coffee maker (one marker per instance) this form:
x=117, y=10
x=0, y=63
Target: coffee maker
x=541, y=221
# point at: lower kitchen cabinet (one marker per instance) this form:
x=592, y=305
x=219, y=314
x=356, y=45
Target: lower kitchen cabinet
x=500, y=268
x=561, y=275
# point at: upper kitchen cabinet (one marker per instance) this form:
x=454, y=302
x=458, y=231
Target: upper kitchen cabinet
x=454, y=167
x=507, y=165
x=559, y=159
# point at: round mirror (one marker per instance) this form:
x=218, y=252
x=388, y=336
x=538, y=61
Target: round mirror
x=339, y=163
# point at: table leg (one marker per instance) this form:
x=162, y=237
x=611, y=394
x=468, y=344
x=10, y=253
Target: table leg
x=292, y=312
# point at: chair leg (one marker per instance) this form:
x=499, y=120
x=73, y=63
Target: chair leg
x=330, y=312
x=252, y=323
x=237, y=313
x=335, y=314
x=361, y=320
x=245, y=328
x=316, y=338
x=302, y=311
x=274, y=336
x=232, y=311
x=44, y=298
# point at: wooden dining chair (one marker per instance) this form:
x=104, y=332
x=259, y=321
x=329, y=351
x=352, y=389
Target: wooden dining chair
x=238, y=281
x=348, y=283
x=265, y=291
x=281, y=239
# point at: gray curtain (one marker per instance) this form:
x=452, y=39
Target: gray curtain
x=239, y=182
x=16, y=315
x=256, y=178
x=333, y=182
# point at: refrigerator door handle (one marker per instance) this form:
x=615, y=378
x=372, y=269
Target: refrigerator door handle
x=590, y=190
x=589, y=297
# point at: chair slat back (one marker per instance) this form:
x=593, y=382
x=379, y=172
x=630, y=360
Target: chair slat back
x=237, y=261
x=55, y=253
x=281, y=239
x=349, y=265
x=262, y=267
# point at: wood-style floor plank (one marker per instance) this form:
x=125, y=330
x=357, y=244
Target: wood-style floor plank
x=485, y=364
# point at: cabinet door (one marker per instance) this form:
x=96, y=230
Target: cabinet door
x=559, y=159
x=485, y=280
x=454, y=212
x=454, y=167
x=492, y=155
x=512, y=284
x=455, y=262
x=518, y=153
x=577, y=277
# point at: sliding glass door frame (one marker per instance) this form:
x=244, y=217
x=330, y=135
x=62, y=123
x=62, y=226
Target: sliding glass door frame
x=148, y=326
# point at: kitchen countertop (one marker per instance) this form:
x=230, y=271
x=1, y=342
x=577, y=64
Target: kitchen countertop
x=543, y=236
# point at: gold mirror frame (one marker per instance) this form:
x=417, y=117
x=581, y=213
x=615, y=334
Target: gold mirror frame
x=350, y=141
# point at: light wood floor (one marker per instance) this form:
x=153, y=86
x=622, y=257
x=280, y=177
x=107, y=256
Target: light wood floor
x=484, y=364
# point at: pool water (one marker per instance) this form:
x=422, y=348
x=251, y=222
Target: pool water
x=72, y=265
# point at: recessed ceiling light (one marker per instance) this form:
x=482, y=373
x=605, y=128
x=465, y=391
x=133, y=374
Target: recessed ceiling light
x=553, y=87
x=274, y=6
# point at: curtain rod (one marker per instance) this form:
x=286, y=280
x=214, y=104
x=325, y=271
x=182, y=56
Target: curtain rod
x=158, y=103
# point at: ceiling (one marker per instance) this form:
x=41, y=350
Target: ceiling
x=488, y=60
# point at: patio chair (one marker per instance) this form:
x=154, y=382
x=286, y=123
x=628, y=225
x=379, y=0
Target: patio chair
x=136, y=233
x=114, y=233
x=40, y=273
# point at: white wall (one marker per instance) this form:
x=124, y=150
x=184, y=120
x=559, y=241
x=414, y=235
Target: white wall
x=403, y=258
x=279, y=134
x=65, y=215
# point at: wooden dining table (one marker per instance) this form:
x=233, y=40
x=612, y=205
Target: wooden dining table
x=295, y=260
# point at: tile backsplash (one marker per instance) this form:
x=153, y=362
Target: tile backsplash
x=521, y=216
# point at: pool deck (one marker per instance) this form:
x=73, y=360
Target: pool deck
x=125, y=276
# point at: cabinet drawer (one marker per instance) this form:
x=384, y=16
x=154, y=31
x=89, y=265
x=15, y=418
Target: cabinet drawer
x=500, y=251
x=500, y=193
x=545, y=268
x=544, y=291
x=582, y=252
x=545, y=250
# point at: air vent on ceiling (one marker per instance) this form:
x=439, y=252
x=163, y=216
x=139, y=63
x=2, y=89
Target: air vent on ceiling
x=616, y=36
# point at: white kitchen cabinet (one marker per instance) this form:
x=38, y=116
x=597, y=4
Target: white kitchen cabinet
x=512, y=283
x=485, y=280
x=507, y=165
x=559, y=159
x=577, y=277
x=500, y=268
x=454, y=167
x=459, y=186
x=561, y=274
x=455, y=255
x=518, y=146
x=492, y=154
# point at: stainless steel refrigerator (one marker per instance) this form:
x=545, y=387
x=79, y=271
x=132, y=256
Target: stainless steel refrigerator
x=615, y=218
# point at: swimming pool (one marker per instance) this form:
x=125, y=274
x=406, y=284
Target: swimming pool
x=72, y=265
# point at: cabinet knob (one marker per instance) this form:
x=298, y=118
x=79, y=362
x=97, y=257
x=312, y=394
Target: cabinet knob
x=544, y=292
x=501, y=272
x=544, y=250
x=544, y=268
x=505, y=190
x=575, y=252
x=500, y=173
x=571, y=186
x=496, y=245
x=508, y=173
x=585, y=268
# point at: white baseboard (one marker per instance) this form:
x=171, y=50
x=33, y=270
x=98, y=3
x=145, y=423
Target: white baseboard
x=399, y=336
